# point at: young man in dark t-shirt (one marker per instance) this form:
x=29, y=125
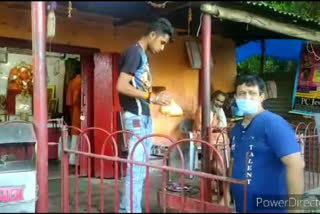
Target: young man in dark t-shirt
x=134, y=86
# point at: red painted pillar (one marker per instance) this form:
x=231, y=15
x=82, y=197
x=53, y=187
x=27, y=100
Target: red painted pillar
x=205, y=97
x=39, y=31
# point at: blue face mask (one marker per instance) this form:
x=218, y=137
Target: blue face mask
x=247, y=107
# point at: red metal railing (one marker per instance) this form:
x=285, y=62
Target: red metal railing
x=165, y=198
x=307, y=136
x=308, y=139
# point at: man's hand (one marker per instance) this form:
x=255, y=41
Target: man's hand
x=163, y=98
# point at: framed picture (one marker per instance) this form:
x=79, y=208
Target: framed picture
x=51, y=92
x=53, y=105
x=3, y=55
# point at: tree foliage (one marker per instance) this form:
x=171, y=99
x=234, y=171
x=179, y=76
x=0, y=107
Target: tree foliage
x=305, y=9
x=253, y=65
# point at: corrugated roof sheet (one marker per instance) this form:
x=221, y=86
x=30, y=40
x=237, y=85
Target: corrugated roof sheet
x=292, y=15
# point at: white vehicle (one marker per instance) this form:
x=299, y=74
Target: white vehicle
x=18, y=186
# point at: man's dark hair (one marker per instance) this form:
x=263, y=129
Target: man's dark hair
x=251, y=80
x=217, y=93
x=162, y=26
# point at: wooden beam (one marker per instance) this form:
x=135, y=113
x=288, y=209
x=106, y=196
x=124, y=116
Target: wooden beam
x=59, y=48
x=261, y=22
x=250, y=35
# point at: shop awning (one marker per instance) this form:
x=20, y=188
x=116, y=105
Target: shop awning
x=279, y=48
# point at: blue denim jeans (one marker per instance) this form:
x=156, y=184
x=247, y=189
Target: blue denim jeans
x=141, y=125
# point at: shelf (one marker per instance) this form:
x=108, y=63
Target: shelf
x=158, y=89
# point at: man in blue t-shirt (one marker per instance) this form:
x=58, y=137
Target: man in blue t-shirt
x=264, y=152
x=134, y=86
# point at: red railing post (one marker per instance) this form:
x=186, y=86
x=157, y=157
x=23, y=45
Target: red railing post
x=39, y=32
x=206, y=86
x=65, y=172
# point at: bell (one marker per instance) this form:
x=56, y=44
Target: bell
x=51, y=24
